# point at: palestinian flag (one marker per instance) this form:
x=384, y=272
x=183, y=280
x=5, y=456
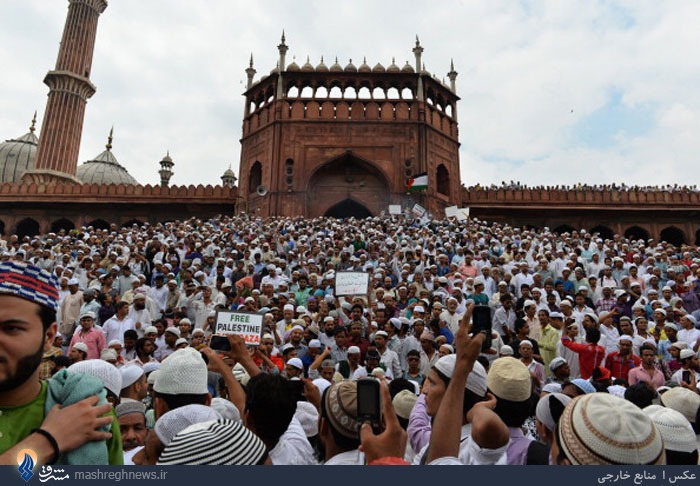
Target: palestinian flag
x=418, y=182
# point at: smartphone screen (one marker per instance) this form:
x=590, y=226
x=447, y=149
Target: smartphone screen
x=686, y=376
x=481, y=320
x=220, y=343
x=298, y=390
x=369, y=403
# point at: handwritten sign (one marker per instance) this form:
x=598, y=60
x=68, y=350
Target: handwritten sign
x=395, y=209
x=249, y=326
x=351, y=283
x=462, y=214
x=451, y=211
x=418, y=210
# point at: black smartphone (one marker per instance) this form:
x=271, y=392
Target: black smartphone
x=369, y=407
x=481, y=322
x=686, y=376
x=220, y=343
x=298, y=390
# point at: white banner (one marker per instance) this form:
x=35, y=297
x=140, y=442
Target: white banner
x=418, y=210
x=395, y=209
x=451, y=212
x=351, y=283
x=463, y=214
x=249, y=326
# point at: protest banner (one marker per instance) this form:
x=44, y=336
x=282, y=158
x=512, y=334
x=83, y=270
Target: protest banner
x=249, y=326
x=418, y=210
x=395, y=209
x=351, y=283
x=451, y=211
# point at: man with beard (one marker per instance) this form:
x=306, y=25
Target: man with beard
x=139, y=314
x=28, y=305
x=132, y=424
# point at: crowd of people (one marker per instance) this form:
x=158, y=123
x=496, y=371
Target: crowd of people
x=517, y=185
x=581, y=350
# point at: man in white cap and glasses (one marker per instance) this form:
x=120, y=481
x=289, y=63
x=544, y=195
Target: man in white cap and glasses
x=687, y=376
x=388, y=357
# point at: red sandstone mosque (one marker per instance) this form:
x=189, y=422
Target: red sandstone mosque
x=318, y=140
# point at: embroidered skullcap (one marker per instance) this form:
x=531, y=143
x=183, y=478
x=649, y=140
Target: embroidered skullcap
x=600, y=428
x=151, y=330
x=353, y=350
x=107, y=373
x=687, y=353
x=617, y=390
x=675, y=429
x=108, y=354
x=114, y=342
x=152, y=377
x=340, y=405
x=556, y=363
x=177, y=420
x=89, y=314
x=173, y=330
x=183, y=372
x=219, y=442
x=30, y=283
x=584, y=385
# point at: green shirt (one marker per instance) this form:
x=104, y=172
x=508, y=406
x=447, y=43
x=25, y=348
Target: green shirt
x=16, y=424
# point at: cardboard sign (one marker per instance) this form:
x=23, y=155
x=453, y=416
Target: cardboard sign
x=395, y=209
x=249, y=326
x=451, y=212
x=463, y=214
x=418, y=210
x=351, y=283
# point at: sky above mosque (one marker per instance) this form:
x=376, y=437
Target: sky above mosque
x=552, y=92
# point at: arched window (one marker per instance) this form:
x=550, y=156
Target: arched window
x=604, y=232
x=336, y=92
x=321, y=92
x=636, y=233
x=27, y=227
x=289, y=173
x=2, y=227
x=350, y=93
x=131, y=223
x=364, y=93
x=293, y=92
x=443, y=180
x=406, y=94
x=307, y=92
x=673, y=235
x=99, y=224
x=378, y=93
x=255, y=177
x=62, y=224
x=564, y=228
x=393, y=94
x=697, y=236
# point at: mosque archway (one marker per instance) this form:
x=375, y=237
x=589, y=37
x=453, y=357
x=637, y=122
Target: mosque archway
x=636, y=233
x=604, y=232
x=347, y=186
x=62, y=224
x=99, y=224
x=27, y=227
x=348, y=208
x=673, y=235
x=564, y=228
x=132, y=222
x=697, y=236
x=2, y=227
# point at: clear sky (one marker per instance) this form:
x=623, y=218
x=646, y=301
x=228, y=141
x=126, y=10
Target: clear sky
x=553, y=92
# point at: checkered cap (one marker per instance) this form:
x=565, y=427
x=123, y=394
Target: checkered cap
x=29, y=282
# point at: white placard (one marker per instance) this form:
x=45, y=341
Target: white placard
x=451, y=211
x=249, y=326
x=418, y=210
x=463, y=214
x=395, y=209
x=351, y=283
